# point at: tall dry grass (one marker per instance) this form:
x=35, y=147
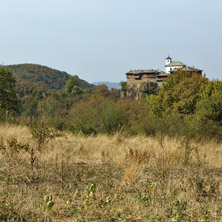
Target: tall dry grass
x=114, y=149
x=136, y=179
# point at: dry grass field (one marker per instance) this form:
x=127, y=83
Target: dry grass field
x=108, y=178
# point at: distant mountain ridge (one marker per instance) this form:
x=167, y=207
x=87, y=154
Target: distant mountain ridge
x=110, y=85
x=43, y=76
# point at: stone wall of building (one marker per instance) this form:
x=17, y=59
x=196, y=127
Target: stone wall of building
x=134, y=81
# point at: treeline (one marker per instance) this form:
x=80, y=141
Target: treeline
x=188, y=105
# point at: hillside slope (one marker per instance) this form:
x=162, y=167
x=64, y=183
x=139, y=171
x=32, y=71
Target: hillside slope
x=44, y=77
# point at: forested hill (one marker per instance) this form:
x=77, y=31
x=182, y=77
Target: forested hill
x=44, y=77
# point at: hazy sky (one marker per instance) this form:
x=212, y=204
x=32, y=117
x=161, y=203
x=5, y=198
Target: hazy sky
x=100, y=40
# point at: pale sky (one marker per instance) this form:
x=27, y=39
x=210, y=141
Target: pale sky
x=101, y=40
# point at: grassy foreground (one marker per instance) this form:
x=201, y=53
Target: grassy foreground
x=101, y=178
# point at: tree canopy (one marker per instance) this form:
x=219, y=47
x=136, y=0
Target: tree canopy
x=179, y=94
x=8, y=97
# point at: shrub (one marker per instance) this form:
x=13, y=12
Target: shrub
x=98, y=116
x=42, y=134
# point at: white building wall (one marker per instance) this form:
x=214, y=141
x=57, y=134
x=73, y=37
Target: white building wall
x=168, y=69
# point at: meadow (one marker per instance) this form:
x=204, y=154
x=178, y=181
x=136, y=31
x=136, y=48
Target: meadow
x=72, y=177
x=72, y=151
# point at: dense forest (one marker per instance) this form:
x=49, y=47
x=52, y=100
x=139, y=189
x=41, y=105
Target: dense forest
x=187, y=105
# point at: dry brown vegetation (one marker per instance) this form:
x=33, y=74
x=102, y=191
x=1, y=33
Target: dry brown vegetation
x=108, y=178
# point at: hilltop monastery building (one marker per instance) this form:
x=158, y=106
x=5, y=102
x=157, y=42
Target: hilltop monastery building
x=135, y=77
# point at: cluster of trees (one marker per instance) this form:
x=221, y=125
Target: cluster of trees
x=187, y=105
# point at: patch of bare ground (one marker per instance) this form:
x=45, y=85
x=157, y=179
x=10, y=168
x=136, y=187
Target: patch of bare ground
x=108, y=178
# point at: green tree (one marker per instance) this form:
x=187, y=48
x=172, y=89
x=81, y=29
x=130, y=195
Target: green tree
x=210, y=105
x=71, y=83
x=76, y=90
x=123, y=86
x=207, y=119
x=152, y=88
x=8, y=97
x=179, y=94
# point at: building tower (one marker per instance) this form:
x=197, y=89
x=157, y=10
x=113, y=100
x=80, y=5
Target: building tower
x=168, y=60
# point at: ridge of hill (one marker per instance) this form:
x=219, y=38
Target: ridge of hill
x=44, y=77
x=110, y=85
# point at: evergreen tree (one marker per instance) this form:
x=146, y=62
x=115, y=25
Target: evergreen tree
x=8, y=97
